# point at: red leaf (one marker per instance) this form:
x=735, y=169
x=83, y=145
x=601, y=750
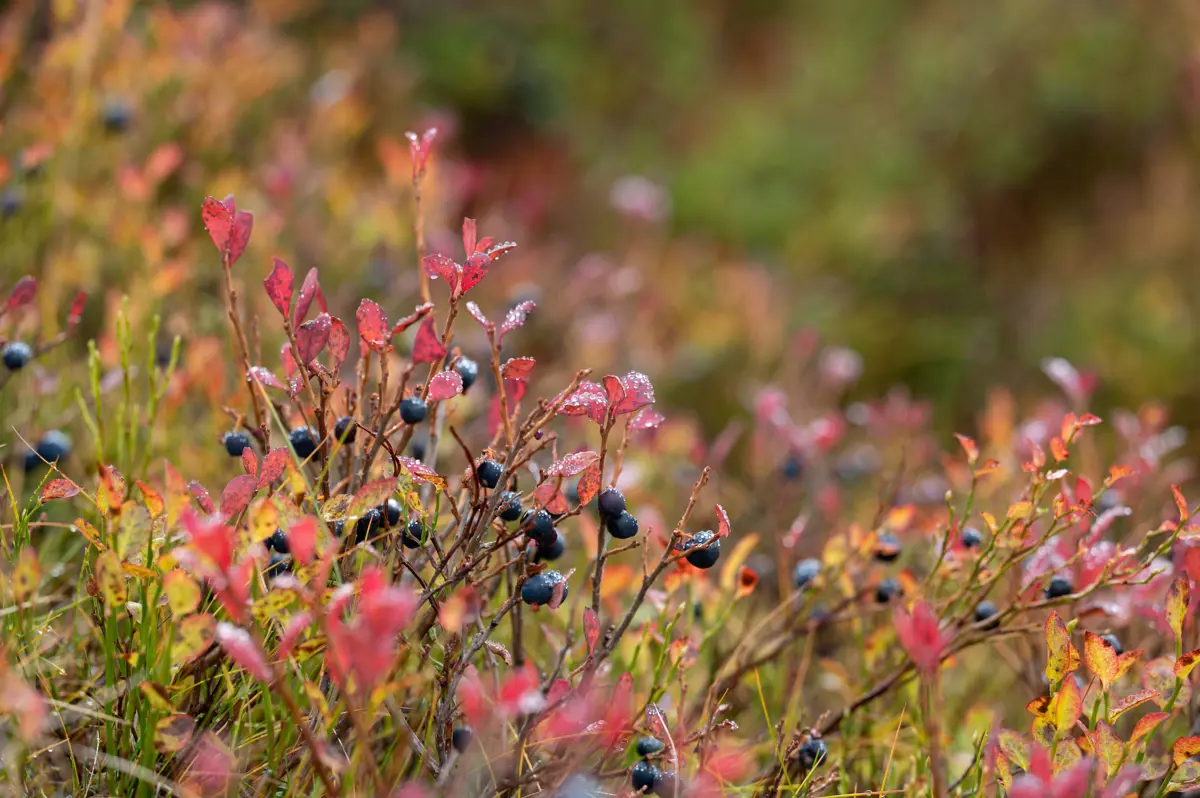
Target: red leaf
x=22, y=293
x=373, y=325
x=202, y=497
x=218, y=221
x=591, y=629
x=421, y=312
x=419, y=147
x=548, y=496
x=474, y=270
x=264, y=376
x=339, y=342
x=76, y=312
x=656, y=722
x=280, y=285
x=273, y=466
x=495, y=251
x=614, y=390
x=572, y=464
x=291, y=633
x=302, y=539
x=589, y=484
x=446, y=385
x=638, y=393
x=250, y=461
x=474, y=310
x=243, y=224
x=237, y=495
x=242, y=649
x=646, y=418
x=723, y=527
x=427, y=348
x=468, y=236
x=516, y=317
x=439, y=267
x=312, y=336
x=308, y=290
x=59, y=489
x=589, y=399
x=517, y=368
x=289, y=362
x=921, y=635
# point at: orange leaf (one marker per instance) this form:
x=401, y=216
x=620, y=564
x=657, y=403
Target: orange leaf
x=154, y=502
x=1068, y=706
x=1059, y=449
x=1064, y=658
x=1146, y=724
x=1040, y=705
x=1020, y=511
x=1180, y=502
x=1117, y=473
x=1178, y=598
x=1184, y=665
x=1101, y=658
x=969, y=447
x=1107, y=746
x=1129, y=702
x=59, y=489
x=1185, y=748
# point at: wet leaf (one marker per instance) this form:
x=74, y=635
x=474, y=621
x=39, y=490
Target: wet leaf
x=589, y=484
x=373, y=325
x=249, y=461
x=419, y=149
x=111, y=579
x=656, y=722
x=173, y=733
x=573, y=464
x=312, y=336
x=193, y=636
x=228, y=228
x=1101, y=658
x=477, y=314
x=515, y=318
x=202, y=497
x=308, y=291
x=646, y=418
x=723, y=527
x=273, y=466
x=339, y=342
x=22, y=293
x=1178, y=598
x=182, y=592
x=517, y=368
x=419, y=313
x=280, y=285
x=549, y=497
x=439, y=267
x=59, y=489
x=446, y=385
x=427, y=348
x=422, y=472
x=588, y=399
x=111, y=492
x=1064, y=658
x=237, y=495
x=469, y=235
x=638, y=393
x=265, y=377
x=474, y=270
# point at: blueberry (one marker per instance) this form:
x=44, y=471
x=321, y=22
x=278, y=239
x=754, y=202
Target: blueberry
x=278, y=542
x=461, y=738
x=1059, y=586
x=12, y=199
x=277, y=565
x=703, y=557
x=539, y=526
x=468, y=369
x=345, y=430
x=539, y=588
x=391, y=510
x=887, y=548
x=806, y=571
x=412, y=410
x=367, y=525
x=572, y=492
x=32, y=461
x=611, y=502
x=339, y=528
x=116, y=116
x=489, y=473
x=553, y=551
x=236, y=443
x=666, y=784
x=1113, y=641
x=16, y=355
x=417, y=448
x=414, y=535
x=304, y=443
x=812, y=753
x=985, y=610
x=162, y=353
x=647, y=746
x=888, y=589
x=971, y=537
x=644, y=777
x=792, y=467
x=53, y=446
x=510, y=506
x=622, y=526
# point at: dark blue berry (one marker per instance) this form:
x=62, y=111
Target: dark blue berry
x=1059, y=586
x=539, y=526
x=412, y=410
x=888, y=589
x=12, y=200
x=368, y=525
x=278, y=542
x=666, y=785
x=277, y=565
x=887, y=548
x=553, y=551
x=644, y=777
x=489, y=473
x=116, y=116
x=622, y=526
x=510, y=506
x=985, y=610
x=468, y=369
x=391, y=509
x=648, y=746
x=417, y=448
x=703, y=557
x=793, y=467
x=339, y=528
x=345, y=430
x=461, y=738
x=806, y=571
x=1113, y=641
x=611, y=502
x=16, y=355
x=539, y=588
x=414, y=535
x=812, y=753
x=304, y=443
x=971, y=537
x=53, y=446
x=236, y=443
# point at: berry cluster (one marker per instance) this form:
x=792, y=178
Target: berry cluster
x=646, y=777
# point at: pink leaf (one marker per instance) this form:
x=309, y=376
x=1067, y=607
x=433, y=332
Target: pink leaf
x=474, y=310
x=202, y=497
x=237, y=495
x=75, y=314
x=373, y=325
x=495, y=251
x=420, y=471
x=250, y=461
x=264, y=376
x=312, y=336
x=218, y=221
x=613, y=390
x=243, y=224
x=723, y=527
x=516, y=317
x=548, y=496
x=22, y=293
x=280, y=285
x=427, y=348
x=474, y=270
x=638, y=393
x=421, y=312
x=591, y=629
x=920, y=635
x=589, y=399
x=468, y=236
x=339, y=342
x=307, y=291
x=289, y=362
x=59, y=489
x=572, y=464
x=241, y=648
x=291, y=633
x=419, y=147
x=439, y=267
x=273, y=466
x=302, y=539
x=445, y=385
x=517, y=368
x=646, y=418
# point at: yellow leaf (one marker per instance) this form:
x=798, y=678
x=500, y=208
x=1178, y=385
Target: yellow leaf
x=183, y=594
x=1177, y=603
x=990, y=521
x=193, y=637
x=264, y=519
x=1185, y=664
x=738, y=556
x=1064, y=658
x=1020, y=511
x=111, y=579
x=157, y=696
x=1068, y=706
x=1101, y=658
x=133, y=530
x=26, y=575
x=138, y=571
x=111, y=492
x=154, y=502
x=172, y=733
x=1107, y=746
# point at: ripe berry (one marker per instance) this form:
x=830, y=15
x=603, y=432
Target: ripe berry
x=116, y=116
x=16, y=355
x=277, y=565
x=703, y=557
x=339, y=528
x=468, y=369
x=1059, y=586
x=418, y=448
x=539, y=526
x=278, y=542
x=391, y=509
x=345, y=430
x=888, y=589
x=812, y=753
x=648, y=746
x=1113, y=641
x=53, y=446
x=622, y=526
x=304, y=443
x=971, y=537
x=368, y=525
x=510, y=506
x=887, y=548
x=793, y=467
x=489, y=473
x=539, y=588
x=236, y=443
x=553, y=551
x=806, y=571
x=414, y=535
x=11, y=202
x=666, y=784
x=461, y=738
x=985, y=610
x=412, y=410
x=611, y=502
x=644, y=777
